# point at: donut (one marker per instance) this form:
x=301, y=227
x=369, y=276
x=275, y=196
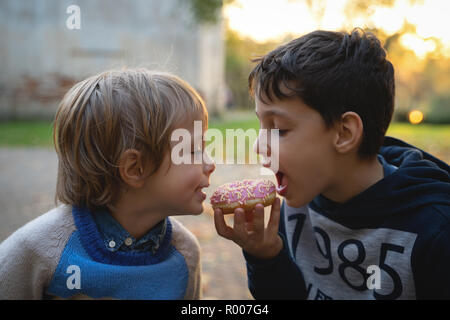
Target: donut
x=245, y=194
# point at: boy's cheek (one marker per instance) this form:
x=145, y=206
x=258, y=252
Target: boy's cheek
x=284, y=156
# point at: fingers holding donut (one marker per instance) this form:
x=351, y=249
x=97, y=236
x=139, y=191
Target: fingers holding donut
x=252, y=236
x=258, y=219
x=221, y=227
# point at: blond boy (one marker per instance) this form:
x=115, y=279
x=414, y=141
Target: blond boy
x=112, y=236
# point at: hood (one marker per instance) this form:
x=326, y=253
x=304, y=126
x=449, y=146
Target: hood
x=420, y=180
x=399, y=153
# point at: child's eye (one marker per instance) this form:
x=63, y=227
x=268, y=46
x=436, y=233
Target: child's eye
x=282, y=132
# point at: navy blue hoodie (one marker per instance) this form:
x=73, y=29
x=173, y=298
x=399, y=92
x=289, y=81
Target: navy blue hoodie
x=392, y=241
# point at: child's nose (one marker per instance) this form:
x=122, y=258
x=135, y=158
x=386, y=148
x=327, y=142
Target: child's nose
x=208, y=164
x=261, y=146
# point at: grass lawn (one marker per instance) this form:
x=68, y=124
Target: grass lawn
x=26, y=134
x=434, y=139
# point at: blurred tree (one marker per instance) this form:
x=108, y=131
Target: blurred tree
x=439, y=111
x=239, y=55
x=207, y=11
x=422, y=82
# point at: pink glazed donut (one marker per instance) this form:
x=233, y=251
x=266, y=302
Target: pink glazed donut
x=245, y=194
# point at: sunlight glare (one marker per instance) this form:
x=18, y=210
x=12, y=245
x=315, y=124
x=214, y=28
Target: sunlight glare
x=264, y=20
x=415, y=117
x=419, y=46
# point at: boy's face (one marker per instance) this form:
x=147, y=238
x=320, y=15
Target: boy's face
x=177, y=188
x=306, y=153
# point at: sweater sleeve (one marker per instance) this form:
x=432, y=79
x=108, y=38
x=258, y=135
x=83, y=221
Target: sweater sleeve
x=276, y=278
x=186, y=243
x=21, y=277
x=30, y=255
x=436, y=273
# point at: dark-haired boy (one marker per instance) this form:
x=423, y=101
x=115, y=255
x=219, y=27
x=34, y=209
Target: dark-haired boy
x=364, y=217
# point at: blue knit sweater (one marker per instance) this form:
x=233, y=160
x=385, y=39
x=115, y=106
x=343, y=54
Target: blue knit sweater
x=62, y=255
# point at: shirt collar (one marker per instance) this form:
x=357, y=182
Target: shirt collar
x=115, y=237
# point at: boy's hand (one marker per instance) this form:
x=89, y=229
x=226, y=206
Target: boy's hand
x=251, y=236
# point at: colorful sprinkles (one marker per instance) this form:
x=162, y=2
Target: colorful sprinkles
x=242, y=191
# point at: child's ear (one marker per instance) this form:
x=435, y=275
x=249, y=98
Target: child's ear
x=131, y=169
x=349, y=132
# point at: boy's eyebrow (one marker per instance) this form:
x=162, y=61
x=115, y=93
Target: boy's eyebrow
x=274, y=113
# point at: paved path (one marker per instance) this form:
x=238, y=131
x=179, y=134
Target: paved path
x=27, y=187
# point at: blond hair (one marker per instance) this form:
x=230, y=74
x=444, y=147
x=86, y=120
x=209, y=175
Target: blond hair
x=103, y=116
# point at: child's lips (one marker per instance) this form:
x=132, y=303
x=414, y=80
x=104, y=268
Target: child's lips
x=200, y=193
x=282, y=183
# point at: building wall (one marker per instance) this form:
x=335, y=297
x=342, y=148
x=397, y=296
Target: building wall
x=40, y=58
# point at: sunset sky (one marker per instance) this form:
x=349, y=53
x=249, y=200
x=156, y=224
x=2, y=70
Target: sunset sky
x=270, y=19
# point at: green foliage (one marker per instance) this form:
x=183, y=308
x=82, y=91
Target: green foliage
x=237, y=69
x=206, y=11
x=238, y=64
x=421, y=84
x=440, y=110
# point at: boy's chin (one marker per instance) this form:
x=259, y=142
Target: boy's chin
x=295, y=203
x=197, y=209
x=193, y=209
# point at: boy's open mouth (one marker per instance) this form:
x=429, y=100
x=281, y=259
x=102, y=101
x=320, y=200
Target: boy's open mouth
x=282, y=183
